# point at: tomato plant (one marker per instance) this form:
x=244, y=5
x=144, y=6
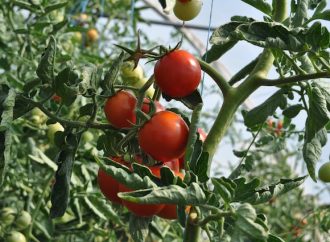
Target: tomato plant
x=247, y=191
x=164, y=136
x=184, y=77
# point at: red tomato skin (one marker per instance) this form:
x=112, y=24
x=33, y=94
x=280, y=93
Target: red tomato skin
x=120, y=109
x=108, y=185
x=57, y=98
x=177, y=74
x=164, y=137
x=146, y=108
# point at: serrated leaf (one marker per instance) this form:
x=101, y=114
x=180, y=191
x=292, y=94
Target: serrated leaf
x=63, y=88
x=259, y=114
x=139, y=227
x=201, y=168
x=273, y=238
x=261, y=5
x=301, y=13
x=246, y=223
x=123, y=175
x=87, y=109
x=7, y=114
x=312, y=150
x=45, y=70
x=216, y=51
x=251, y=192
x=55, y=6
x=112, y=74
x=292, y=111
x=61, y=189
x=225, y=188
x=173, y=194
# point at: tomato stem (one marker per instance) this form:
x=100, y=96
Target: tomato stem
x=216, y=76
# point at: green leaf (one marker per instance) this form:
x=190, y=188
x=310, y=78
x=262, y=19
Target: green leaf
x=139, y=227
x=251, y=193
x=225, y=188
x=61, y=189
x=123, y=175
x=273, y=35
x=63, y=86
x=45, y=70
x=55, y=6
x=87, y=109
x=259, y=114
x=273, y=238
x=6, y=135
x=191, y=101
x=318, y=113
x=246, y=225
x=201, y=168
x=102, y=209
x=216, y=51
x=292, y=111
x=173, y=194
x=112, y=74
x=261, y=5
x=312, y=150
x=108, y=143
x=301, y=13
x=192, y=134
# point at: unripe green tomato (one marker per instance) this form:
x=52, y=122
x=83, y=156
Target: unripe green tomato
x=128, y=71
x=15, y=236
x=52, y=129
x=77, y=37
x=87, y=136
x=324, y=172
x=7, y=216
x=150, y=92
x=186, y=10
x=38, y=116
x=23, y=221
x=98, y=239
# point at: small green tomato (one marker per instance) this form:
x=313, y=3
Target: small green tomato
x=186, y=10
x=7, y=216
x=324, y=172
x=23, y=220
x=15, y=236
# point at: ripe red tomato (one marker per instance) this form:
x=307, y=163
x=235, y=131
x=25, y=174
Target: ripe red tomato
x=202, y=137
x=146, y=107
x=178, y=73
x=142, y=210
x=279, y=127
x=108, y=185
x=120, y=109
x=164, y=137
x=57, y=98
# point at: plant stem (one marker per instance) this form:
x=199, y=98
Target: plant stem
x=192, y=231
x=293, y=79
x=216, y=76
x=235, y=96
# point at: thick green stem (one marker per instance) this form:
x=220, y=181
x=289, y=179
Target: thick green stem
x=192, y=231
x=236, y=96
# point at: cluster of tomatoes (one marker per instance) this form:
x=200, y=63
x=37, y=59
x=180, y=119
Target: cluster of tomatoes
x=15, y=222
x=163, y=137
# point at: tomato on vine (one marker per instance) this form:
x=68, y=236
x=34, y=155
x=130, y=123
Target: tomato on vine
x=146, y=106
x=186, y=10
x=164, y=137
x=119, y=109
x=177, y=74
x=23, y=220
x=15, y=236
x=92, y=35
